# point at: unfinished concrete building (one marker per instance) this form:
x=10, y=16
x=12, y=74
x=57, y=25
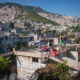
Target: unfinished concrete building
x=29, y=60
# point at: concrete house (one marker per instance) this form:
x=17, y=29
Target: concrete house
x=26, y=38
x=30, y=60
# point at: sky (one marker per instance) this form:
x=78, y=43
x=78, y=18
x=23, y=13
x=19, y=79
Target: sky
x=63, y=7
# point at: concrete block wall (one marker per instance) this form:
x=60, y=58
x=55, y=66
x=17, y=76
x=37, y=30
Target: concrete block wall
x=25, y=67
x=72, y=59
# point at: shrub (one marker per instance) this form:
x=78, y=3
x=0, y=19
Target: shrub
x=21, y=45
x=11, y=24
x=4, y=62
x=61, y=71
x=55, y=72
x=71, y=36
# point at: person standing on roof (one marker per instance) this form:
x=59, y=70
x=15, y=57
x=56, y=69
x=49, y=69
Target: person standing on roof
x=48, y=44
x=44, y=47
x=61, y=40
x=51, y=43
x=40, y=44
x=53, y=52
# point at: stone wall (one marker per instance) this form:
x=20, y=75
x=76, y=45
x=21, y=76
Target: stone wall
x=26, y=67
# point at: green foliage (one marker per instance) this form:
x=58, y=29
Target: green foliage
x=47, y=31
x=39, y=19
x=18, y=46
x=77, y=40
x=71, y=36
x=54, y=31
x=62, y=71
x=38, y=31
x=47, y=76
x=26, y=24
x=11, y=24
x=21, y=45
x=57, y=34
x=23, y=34
x=25, y=45
x=30, y=13
x=63, y=33
x=56, y=72
x=76, y=29
x=4, y=62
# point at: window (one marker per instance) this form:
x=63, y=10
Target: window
x=31, y=39
x=34, y=59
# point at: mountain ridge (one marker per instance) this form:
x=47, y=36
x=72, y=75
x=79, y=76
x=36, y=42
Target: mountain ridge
x=35, y=8
x=30, y=12
x=36, y=16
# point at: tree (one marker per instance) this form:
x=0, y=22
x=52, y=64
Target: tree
x=4, y=62
x=47, y=31
x=71, y=36
x=27, y=25
x=21, y=45
x=38, y=31
x=76, y=28
x=61, y=71
x=11, y=24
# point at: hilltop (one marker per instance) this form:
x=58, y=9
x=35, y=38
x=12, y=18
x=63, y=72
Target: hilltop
x=18, y=11
x=35, y=16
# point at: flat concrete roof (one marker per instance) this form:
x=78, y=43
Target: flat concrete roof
x=32, y=52
x=37, y=52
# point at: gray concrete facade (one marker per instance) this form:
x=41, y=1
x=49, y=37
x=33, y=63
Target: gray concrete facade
x=26, y=66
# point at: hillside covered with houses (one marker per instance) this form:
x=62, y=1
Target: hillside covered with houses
x=38, y=45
